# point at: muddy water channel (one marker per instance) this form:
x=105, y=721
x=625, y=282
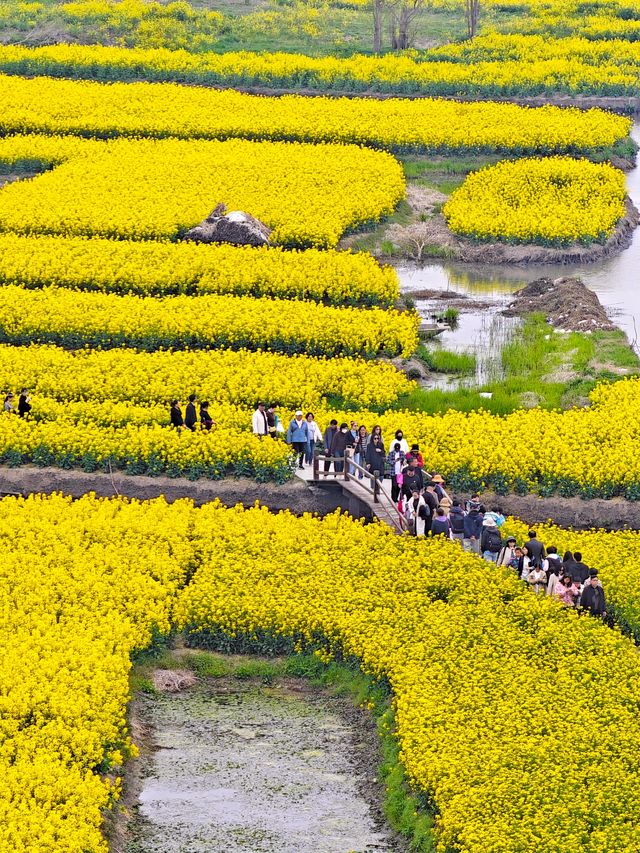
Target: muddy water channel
x=252, y=769
x=615, y=280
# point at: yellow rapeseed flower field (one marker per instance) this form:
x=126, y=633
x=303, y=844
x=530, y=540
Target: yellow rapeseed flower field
x=46, y=105
x=484, y=676
x=157, y=189
x=161, y=268
x=553, y=201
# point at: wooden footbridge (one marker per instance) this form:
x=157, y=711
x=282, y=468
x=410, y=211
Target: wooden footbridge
x=359, y=487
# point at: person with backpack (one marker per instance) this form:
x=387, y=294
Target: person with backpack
x=490, y=540
x=456, y=518
x=580, y=570
x=472, y=529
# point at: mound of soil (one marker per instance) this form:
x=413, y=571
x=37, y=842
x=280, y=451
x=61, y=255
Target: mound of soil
x=566, y=303
x=236, y=227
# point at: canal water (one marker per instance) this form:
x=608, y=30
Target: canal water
x=252, y=770
x=615, y=280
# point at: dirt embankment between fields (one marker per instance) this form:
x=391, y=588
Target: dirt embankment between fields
x=449, y=245
x=298, y=497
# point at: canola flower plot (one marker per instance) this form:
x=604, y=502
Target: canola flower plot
x=106, y=578
x=489, y=65
x=59, y=316
x=158, y=189
x=46, y=105
x=239, y=378
x=473, y=669
x=160, y=269
x=555, y=201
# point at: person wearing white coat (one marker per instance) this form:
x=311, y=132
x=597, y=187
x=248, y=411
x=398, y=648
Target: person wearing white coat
x=416, y=513
x=315, y=435
x=259, y=422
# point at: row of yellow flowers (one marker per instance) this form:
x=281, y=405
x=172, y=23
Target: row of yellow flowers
x=553, y=201
x=484, y=675
x=46, y=105
x=491, y=65
x=239, y=378
x=160, y=268
x=142, y=448
x=157, y=189
x=60, y=316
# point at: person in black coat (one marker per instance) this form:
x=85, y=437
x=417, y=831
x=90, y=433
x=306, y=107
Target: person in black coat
x=24, y=404
x=375, y=457
x=175, y=412
x=190, y=415
x=579, y=570
x=535, y=549
x=592, y=598
x=206, y=421
x=412, y=479
x=440, y=525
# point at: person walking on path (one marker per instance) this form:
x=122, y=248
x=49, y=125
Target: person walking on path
x=327, y=442
x=341, y=441
x=363, y=440
x=298, y=437
x=395, y=464
x=375, y=459
x=412, y=478
x=472, y=529
x=566, y=591
x=592, y=598
x=175, y=413
x=259, y=421
x=272, y=421
x=190, y=414
x=456, y=517
x=579, y=570
x=8, y=403
x=538, y=579
x=404, y=444
x=507, y=555
x=206, y=421
x=441, y=526
x=24, y=403
x=315, y=436
x=490, y=540
x=535, y=549
x=416, y=513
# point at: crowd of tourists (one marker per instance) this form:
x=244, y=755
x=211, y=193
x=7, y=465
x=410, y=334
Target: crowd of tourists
x=422, y=499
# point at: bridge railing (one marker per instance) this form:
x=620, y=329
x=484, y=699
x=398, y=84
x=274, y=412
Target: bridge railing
x=352, y=473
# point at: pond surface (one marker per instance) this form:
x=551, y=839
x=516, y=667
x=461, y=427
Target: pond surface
x=252, y=770
x=615, y=280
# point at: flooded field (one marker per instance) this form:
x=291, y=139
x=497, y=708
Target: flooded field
x=247, y=769
x=616, y=281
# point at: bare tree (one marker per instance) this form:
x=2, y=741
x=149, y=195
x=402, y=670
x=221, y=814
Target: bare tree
x=403, y=14
x=472, y=15
x=378, y=8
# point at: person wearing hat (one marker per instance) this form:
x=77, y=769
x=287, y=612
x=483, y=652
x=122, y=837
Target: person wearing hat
x=414, y=453
x=438, y=482
x=490, y=540
x=592, y=598
x=472, y=526
x=298, y=436
x=507, y=555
